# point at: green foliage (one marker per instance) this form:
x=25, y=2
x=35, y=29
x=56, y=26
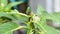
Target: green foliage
x=42, y=23
x=7, y=28
x=28, y=10
x=10, y=33
x=9, y=6
x=55, y=16
x=3, y=3
x=9, y=20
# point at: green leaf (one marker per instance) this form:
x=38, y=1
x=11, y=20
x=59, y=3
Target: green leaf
x=7, y=27
x=54, y=16
x=49, y=30
x=29, y=31
x=19, y=16
x=9, y=6
x=3, y=3
x=6, y=14
x=42, y=26
x=41, y=10
x=10, y=32
x=14, y=16
x=28, y=10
